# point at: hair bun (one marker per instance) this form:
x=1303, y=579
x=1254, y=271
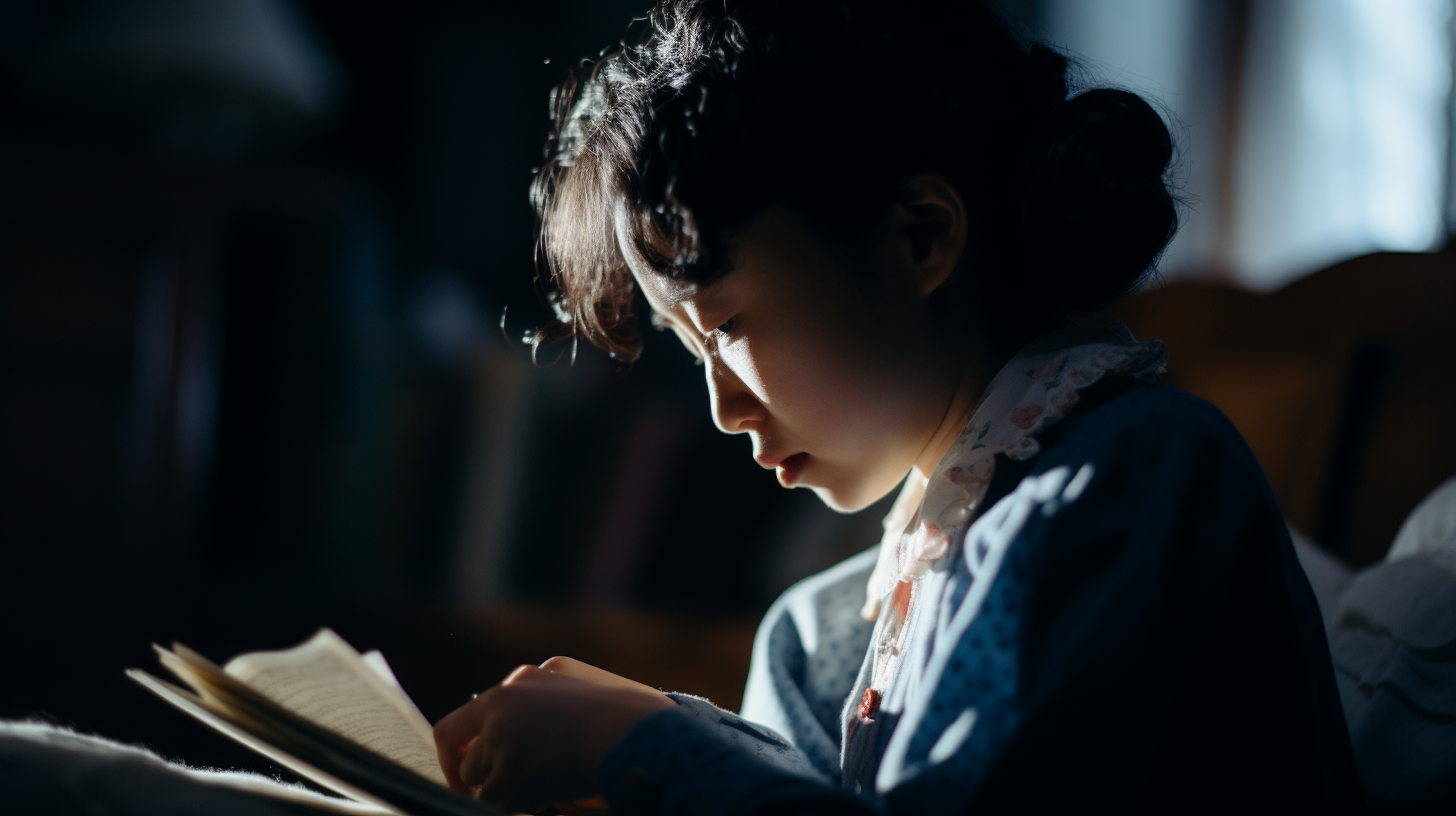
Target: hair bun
x=1094, y=199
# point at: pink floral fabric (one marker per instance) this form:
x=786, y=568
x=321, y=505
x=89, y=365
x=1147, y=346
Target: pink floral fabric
x=1038, y=387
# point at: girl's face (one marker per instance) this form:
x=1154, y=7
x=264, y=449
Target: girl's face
x=836, y=380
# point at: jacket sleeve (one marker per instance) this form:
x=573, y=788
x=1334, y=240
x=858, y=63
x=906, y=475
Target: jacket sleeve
x=782, y=754
x=699, y=759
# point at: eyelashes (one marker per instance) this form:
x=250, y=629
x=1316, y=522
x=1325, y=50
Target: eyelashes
x=711, y=340
x=660, y=323
x=721, y=331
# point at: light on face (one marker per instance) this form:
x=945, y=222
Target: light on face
x=738, y=358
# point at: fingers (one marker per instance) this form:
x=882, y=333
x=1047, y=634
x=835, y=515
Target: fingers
x=572, y=667
x=454, y=735
x=460, y=730
x=520, y=673
x=550, y=724
x=463, y=724
x=460, y=725
x=475, y=766
x=584, y=671
x=491, y=775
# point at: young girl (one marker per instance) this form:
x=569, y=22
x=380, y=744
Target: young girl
x=874, y=224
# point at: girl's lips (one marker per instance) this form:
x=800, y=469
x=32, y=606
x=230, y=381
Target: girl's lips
x=788, y=470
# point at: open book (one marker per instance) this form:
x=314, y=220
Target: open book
x=324, y=711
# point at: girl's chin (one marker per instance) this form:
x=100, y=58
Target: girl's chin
x=848, y=495
x=836, y=501
x=841, y=491
x=838, y=497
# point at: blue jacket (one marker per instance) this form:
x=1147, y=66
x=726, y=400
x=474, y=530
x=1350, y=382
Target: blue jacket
x=1149, y=643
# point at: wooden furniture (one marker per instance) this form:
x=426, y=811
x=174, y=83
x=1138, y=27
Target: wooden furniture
x=1343, y=383
x=443, y=655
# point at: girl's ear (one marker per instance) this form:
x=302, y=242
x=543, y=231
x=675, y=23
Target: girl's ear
x=929, y=229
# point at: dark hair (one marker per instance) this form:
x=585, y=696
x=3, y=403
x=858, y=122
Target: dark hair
x=720, y=108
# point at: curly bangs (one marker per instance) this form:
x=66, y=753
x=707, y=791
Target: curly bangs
x=716, y=109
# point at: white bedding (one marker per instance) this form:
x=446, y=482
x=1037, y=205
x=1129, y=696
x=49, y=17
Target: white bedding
x=49, y=770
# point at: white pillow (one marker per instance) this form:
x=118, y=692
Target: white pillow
x=1430, y=528
x=1391, y=638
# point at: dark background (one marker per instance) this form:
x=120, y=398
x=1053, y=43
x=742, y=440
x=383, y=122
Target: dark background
x=253, y=379
x=252, y=382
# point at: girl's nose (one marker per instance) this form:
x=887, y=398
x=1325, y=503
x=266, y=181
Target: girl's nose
x=735, y=408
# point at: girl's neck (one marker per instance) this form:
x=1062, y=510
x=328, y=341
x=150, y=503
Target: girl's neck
x=962, y=405
x=979, y=364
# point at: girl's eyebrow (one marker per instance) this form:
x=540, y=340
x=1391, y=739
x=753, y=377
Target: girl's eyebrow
x=663, y=320
x=671, y=292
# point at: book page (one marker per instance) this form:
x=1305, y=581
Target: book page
x=198, y=707
x=325, y=681
x=374, y=659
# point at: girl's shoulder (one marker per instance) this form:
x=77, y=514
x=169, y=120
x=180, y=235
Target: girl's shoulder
x=1151, y=454
x=1150, y=423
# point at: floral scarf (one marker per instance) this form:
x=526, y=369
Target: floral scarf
x=1038, y=387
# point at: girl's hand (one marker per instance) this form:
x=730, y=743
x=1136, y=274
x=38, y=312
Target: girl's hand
x=539, y=737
